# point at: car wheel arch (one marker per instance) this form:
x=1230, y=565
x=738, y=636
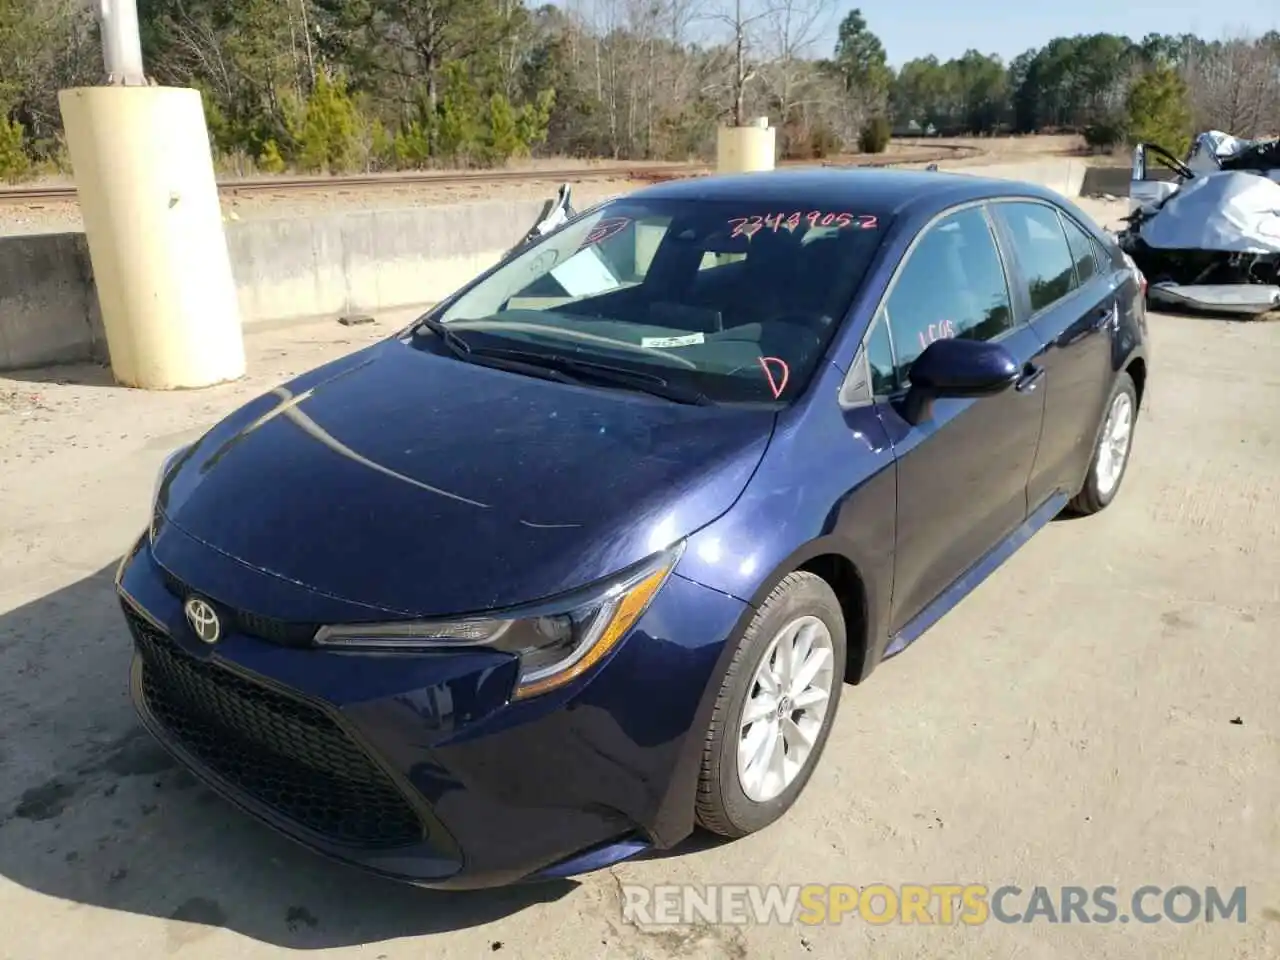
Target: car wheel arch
x=1137, y=370
x=831, y=559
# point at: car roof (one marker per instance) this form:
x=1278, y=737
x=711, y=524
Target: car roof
x=853, y=189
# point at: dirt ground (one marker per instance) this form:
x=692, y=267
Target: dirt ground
x=62, y=217
x=1104, y=710
x=55, y=217
x=1002, y=149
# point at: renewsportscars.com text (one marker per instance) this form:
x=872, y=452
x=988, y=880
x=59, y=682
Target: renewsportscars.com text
x=939, y=903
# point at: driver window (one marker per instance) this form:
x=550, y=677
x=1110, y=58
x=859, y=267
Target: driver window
x=952, y=285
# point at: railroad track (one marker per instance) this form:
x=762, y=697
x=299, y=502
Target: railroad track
x=417, y=178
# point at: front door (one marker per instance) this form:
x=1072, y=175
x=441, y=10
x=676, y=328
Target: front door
x=962, y=474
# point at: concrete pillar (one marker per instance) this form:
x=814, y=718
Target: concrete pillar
x=745, y=149
x=144, y=175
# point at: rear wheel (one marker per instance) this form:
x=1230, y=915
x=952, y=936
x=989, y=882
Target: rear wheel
x=1111, y=451
x=774, y=709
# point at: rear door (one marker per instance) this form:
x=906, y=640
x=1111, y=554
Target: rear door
x=962, y=474
x=1070, y=300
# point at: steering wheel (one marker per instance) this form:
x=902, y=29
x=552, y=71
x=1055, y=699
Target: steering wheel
x=664, y=353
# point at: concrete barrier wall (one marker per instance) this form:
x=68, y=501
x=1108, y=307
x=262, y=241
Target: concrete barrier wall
x=367, y=261
x=1065, y=175
x=1114, y=181
x=48, y=304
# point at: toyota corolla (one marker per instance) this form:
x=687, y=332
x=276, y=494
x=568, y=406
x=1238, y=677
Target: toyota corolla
x=586, y=556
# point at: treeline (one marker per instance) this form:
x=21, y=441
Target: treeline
x=1108, y=87
x=343, y=85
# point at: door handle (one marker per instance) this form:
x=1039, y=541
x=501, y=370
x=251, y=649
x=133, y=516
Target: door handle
x=1102, y=316
x=1030, y=379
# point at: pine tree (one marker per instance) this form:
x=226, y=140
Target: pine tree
x=1159, y=111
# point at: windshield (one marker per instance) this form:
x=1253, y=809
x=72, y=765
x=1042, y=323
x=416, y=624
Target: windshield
x=735, y=301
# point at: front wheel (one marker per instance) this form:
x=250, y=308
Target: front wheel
x=1111, y=451
x=774, y=709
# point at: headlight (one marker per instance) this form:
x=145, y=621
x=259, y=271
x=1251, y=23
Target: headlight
x=154, y=525
x=554, y=644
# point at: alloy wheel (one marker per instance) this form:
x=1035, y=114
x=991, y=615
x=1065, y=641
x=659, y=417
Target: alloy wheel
x=1113, y=449
x=783, y=714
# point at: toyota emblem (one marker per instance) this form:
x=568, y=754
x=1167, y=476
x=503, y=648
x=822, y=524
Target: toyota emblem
x=203, y=619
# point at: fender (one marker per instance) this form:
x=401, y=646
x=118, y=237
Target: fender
x=868, y=636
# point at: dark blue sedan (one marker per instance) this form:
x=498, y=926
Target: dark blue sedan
x=585, y=556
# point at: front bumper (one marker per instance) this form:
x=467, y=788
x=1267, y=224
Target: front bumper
x=417, y=766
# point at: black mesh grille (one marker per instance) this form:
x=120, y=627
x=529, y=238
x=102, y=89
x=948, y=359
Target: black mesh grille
x=279, y=750
x=283, y=632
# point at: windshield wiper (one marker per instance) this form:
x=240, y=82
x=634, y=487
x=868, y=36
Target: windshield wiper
x=464, y=351
x=455, y=343
x=602, y=373
x=552, y=366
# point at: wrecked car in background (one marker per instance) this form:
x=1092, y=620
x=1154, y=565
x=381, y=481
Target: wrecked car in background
x=1214, y=151
x=1209, y=237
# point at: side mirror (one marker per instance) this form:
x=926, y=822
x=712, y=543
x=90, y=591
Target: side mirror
x=957, y=369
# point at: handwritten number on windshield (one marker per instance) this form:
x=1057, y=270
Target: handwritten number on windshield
x=606, y=228
x=749, y=226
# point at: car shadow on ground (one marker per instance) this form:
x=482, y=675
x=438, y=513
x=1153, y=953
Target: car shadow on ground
x=92, y=811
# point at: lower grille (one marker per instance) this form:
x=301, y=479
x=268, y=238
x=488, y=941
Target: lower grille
x=283, y=752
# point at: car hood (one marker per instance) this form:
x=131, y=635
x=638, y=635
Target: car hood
x=422, y=485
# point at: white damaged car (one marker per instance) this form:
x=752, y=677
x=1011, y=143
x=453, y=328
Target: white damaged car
x=1206, y=231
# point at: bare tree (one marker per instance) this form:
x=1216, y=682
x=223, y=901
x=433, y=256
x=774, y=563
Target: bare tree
x=790, y=29
x=639, y=71
x=1235, y=87
x=744, y=20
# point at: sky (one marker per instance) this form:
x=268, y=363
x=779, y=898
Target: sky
x=947, y=28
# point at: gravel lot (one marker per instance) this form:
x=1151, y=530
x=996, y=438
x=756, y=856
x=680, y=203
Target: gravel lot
x=1073, y=722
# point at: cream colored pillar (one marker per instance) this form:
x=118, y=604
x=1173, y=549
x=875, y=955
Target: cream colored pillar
x=144, y=175
x=745, y=149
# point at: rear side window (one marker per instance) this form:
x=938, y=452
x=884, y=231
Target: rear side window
x=1082, y=251
x=1042, y=251
x=952, y=285
x=1105, y=257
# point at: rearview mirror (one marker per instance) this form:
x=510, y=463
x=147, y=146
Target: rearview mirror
x=953, y=368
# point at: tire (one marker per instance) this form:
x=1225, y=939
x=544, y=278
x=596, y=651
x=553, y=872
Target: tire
x=724, y=805
x=1102, y=482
